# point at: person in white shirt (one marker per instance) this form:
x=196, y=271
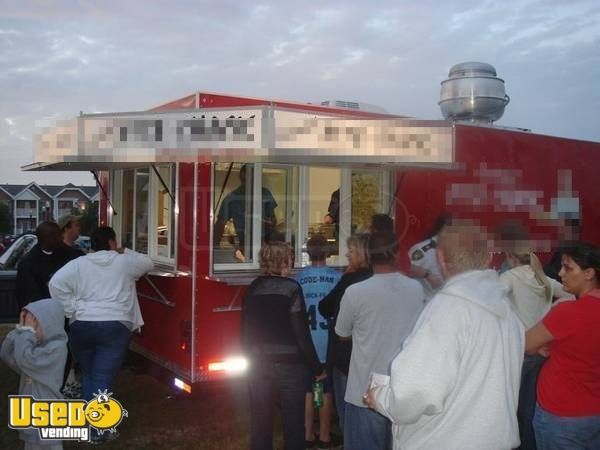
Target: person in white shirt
x=455, y=384
x=98, y=294
x=530, y=291
x=377, y=314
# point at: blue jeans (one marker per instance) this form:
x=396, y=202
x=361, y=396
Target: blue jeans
x=565, y=433
x=99, y=348
x=340, y=380
x=289, y=381
x=365, y=429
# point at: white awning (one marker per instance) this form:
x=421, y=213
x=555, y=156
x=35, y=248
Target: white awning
x=252, y=134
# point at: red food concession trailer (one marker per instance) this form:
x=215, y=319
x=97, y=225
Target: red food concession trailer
x=166, y=173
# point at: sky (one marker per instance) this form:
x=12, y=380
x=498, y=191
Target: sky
x=58, y=58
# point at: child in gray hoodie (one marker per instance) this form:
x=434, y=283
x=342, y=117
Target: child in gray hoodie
x=37, y=350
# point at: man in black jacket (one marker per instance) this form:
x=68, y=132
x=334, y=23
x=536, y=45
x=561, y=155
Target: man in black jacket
x=37, y=267
x=41, y=262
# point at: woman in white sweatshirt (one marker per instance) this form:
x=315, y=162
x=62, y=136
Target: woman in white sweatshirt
x=530, y=291
x=97, y=292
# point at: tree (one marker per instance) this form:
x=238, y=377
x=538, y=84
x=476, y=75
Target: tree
x=6, y=221
x=89, y=218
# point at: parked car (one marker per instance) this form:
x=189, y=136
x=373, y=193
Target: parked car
x=12, y=255
x=7, y=239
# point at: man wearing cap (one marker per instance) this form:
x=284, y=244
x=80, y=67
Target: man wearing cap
x=70, y=229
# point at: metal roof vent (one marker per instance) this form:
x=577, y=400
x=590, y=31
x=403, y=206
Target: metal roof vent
x=473, y=93
x=354, y=105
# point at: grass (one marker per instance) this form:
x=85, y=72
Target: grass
x=213, y=418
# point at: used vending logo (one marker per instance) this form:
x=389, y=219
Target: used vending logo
x=65, y=419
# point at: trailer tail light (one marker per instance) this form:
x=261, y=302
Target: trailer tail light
x=182, y=385
x=232, y=366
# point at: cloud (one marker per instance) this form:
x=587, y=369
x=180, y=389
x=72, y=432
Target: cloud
x=57, y=58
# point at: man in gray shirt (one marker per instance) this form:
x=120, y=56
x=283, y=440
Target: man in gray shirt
x=377, y=314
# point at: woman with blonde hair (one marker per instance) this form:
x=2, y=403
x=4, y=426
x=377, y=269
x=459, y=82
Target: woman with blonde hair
x=338, y=351
x=531, y=292
x=275, y=336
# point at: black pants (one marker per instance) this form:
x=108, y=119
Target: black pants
x=527, y=400
x=289, y=381
x=69, y=357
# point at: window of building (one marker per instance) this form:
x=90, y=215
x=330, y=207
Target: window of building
x=140, y=215
x=369, y=196
x=163, y=197
x=234, y=206
x=242, y=219
x=141, y=199
x=280, y=203
x=295, y=202
x=322, y=204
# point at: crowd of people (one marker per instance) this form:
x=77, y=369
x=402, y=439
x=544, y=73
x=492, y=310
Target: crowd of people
x=453, y=355
x=456, y=356
x=86, y=300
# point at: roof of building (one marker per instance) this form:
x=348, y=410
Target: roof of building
x=51, y=190
x=13, y=189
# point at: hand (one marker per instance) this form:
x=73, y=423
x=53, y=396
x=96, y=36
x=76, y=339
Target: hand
x=369, y=398
x=434, y=281
x=239, y=256
x=26, y=319
x=30, y=320
x=327, y=220
x=22, y=317
x=321, y=376
x=544, y=351
x=120, y=250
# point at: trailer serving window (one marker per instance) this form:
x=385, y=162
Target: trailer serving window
x=145, y=204
x=242, y=219
x=294, y=202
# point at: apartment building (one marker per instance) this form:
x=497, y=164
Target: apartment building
x=31, y=203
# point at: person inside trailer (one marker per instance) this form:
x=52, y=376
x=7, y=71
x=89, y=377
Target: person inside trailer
x=234, y=207
x=333, y=213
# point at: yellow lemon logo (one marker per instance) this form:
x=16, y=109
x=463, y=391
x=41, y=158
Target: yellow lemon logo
x=104, y=413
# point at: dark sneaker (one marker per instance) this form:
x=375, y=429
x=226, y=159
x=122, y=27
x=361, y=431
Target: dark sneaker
x=323, y=445
x=72, y=390
x=309, y=445
x=335, y=442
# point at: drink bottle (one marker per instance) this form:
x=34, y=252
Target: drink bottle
x=317, y=389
